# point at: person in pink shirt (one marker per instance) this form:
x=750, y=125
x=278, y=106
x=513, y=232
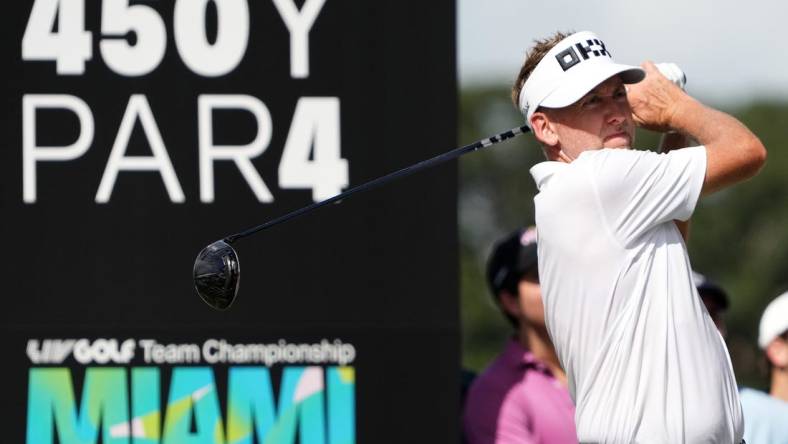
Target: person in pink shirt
x=521, y=397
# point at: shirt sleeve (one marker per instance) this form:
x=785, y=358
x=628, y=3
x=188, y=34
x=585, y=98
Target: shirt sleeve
x=638, y=190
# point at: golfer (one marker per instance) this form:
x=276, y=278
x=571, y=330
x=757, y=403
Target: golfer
x=643, y=359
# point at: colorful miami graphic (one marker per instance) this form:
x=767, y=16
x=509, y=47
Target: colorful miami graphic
x=315, y=405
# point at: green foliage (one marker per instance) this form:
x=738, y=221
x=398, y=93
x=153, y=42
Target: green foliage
x=739, y=236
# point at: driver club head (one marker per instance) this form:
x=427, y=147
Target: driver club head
x=217, y=273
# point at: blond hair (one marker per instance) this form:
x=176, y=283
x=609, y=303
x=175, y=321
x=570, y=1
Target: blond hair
x=532, y=58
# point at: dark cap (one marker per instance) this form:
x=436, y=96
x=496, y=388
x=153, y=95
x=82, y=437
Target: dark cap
x=512, y=257
x=708, y=287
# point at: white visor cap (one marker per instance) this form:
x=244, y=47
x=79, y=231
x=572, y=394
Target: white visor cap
x=774, y=321
x=572, y=68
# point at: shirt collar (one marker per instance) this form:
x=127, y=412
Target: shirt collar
x=521, y=356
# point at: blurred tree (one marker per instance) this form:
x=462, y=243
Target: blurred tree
x=739, y=236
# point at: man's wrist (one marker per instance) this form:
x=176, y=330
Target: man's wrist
x=680, y=118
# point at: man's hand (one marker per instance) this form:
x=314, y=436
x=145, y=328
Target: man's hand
x=654, y=100
x=733, y=152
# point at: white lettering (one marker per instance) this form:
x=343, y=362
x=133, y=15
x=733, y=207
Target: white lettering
x=299, y=23
x=70, y=46
x=240, y=154
x=103, y=351
x=32, y=153
x=210, y=349
x=232, y=35
x=49, y=351
x=156, y=353
x=138, y=107
x=311, y=157
x=119, y=18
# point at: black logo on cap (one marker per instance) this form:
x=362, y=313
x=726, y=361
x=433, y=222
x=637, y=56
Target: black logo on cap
x=571, y=56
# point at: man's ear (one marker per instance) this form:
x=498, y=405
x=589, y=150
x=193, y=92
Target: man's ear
x=777, y=352
x=510, y=303
x=543, y=129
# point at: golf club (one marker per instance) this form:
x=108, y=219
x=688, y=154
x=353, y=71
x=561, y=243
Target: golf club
x=217, y=271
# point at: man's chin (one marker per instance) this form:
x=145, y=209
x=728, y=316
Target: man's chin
x=617, y=142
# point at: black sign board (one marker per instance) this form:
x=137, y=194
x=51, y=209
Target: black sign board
x=137, y=132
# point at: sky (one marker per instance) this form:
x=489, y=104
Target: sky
x=732, y=51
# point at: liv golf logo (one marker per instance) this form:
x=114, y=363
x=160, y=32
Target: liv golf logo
x=314, y=402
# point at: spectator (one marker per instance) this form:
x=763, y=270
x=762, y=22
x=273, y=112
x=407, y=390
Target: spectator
x=714, y=298
x=522, y=396
x=766, y=415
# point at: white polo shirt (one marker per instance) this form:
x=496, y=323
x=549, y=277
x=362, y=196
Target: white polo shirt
x=644, y=360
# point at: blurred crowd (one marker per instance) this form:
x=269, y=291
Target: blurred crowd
x=522, y=396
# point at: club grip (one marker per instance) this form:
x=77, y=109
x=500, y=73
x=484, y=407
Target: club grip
x=673, y=73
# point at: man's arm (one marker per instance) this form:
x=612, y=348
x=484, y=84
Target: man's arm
x=733, y=152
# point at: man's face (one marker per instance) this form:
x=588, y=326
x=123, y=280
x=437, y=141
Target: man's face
x=601, y=119
x=777, y=352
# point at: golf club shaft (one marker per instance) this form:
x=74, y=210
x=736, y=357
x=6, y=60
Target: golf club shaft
x=457, y=152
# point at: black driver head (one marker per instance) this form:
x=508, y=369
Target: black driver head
x=217, y=273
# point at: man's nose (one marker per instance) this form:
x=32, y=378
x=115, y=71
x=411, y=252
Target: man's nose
x=616, y=112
